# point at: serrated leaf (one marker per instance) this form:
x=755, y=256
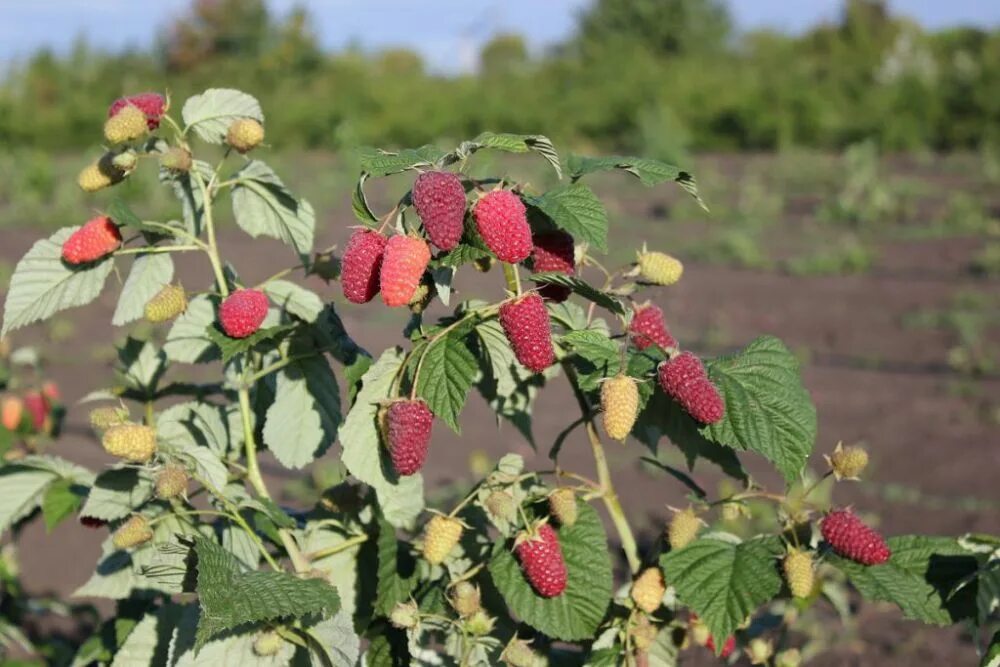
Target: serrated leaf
x=302, y=422
x=336, y=638
x=62, y=498
x=991, y=658
x=140, y=365
x=446, y=375
x=359, y=202
x=149, y=274
x=568, y=315
x=401, y=499
x=211, y=113
x=768, y=410
x=122, y=214
x=295, y=299
x=583, y=288
x=918, y=578
x=263, y=206
x=724, y=582
x=595, y=356
x=43, y=284
x=577, y=210
x=578, y=611
x=189, y=193
x=340, y=568
x=23, y=490
x=396, y=570
x=505, y=370
x=230, y=650
x=229, y=596
x=232, y=347
x=649, y=171
x=188, y=340
x=197, y=435
x=116, y=493
x=511, y=143
x=462, y=254
x=148, y=641
x=378, y=162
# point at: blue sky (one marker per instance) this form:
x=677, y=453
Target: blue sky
x=447, y=32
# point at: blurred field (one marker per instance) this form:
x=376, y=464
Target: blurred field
x=881, y=273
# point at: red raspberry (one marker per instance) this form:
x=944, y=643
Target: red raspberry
x=684, y=380
x=403, y=266
x=408, y=426
x=553, y=251
x=502, y=221
x=541, y=559
x=97, y=238
x=649, y=328
x=727, y=648
x=152, y=104
x=360, y=266
x=851, y=538
x=439, y=198
x=38, y=407
x=242, y=313
x=525, y=321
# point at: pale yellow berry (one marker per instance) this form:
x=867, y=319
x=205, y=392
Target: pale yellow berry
x=132, y=442
x=132, y=533
x=440, y=537
x=659, y=268
x=245, y=134
x=128, y=124
x=847, y=462
x=620, y=406
x=683, y=528
x=648, y=590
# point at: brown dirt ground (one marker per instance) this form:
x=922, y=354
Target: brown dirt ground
x=872, y=379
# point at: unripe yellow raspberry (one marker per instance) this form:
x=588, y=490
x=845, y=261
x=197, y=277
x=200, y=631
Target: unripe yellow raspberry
x=659, y=268
x=171, y=482
x=643, y=633
x=176, y=159
x=245, y=134
x=132, y=533
x=683, y=528
x=699, y=632
x=128, y=124
x=465, y=598
x=847, y=462
x=480, y=624
x=788, y=658
x=92, y=178
x=500, y=505
x=518, y=653
x=267, y=643
x=104, y=417
x=648, y=590
x=759, y=651
x=405, y=615
x=620, y=405
x=167, y=304
x=562, y=505
x=440, y=537
x=798, y=568
x=132, y=442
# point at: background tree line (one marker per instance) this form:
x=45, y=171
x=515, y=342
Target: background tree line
x=652, y=76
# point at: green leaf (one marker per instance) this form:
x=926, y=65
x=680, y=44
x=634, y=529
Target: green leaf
x=302, y=422
x=147, y=643
x=122, y=214
x=378, y=162
x=511, y=143
x=211, y=113
x=295, y=300
x=447, y=372
x=583, y=288
x=335, y=637
x=576, y=209
x=578, y=611
x=229, y=596
x=595, y=356
x=401, y=499
x=23, y=490
x=232, y=347
x=462, y=254
x=768, y=410
x=188, y=340
x=724, y=582
x=992, y=656
x=189, y=193
x=140, y=365
x=116, y=493
x=359, y=202
x=61, y=499
x=649, y=171
x=263, y=206
x=918, y=578
x=396, y=570
x=340, y=568
x=43, y=284
x=196, y=435
x=230, y=650
x=149, y=274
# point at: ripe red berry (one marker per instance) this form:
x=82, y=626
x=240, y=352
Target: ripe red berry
x=502, y=221
x=407, y=427
x=242, y=313
x=439, y=198
x=38, y=407
x=648, y=327
x=525, y=321
x=554, y=251
x=850, y=537
x=152, y=104
x=361, y=264
x=683, y=378
x=403, y=265
x=97, y=238
x=727, y=648
x=541, y=559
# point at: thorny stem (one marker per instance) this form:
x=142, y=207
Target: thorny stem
x=608, y=494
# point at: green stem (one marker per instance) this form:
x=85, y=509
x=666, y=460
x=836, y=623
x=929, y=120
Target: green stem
x=234, y=514
x=337, y=548
x=482, y=312
x=155, y=250
x=513, y=278
x=213, y=246
x=176, y=231
x=608, y=494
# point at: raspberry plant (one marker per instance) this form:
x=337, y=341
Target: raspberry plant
x=208, y=568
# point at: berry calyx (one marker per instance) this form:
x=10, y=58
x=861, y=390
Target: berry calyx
x=439, y=198
x=242, y=312
x=403, y=265
x=96, y=239
x=440, y=537
x=683, y=378
x=619, y=406
x=526, y=323
x=502, y=222
x=361, y=265
x=851, y=538
x=541, y=558
x=648, y=327
x=407, y=425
